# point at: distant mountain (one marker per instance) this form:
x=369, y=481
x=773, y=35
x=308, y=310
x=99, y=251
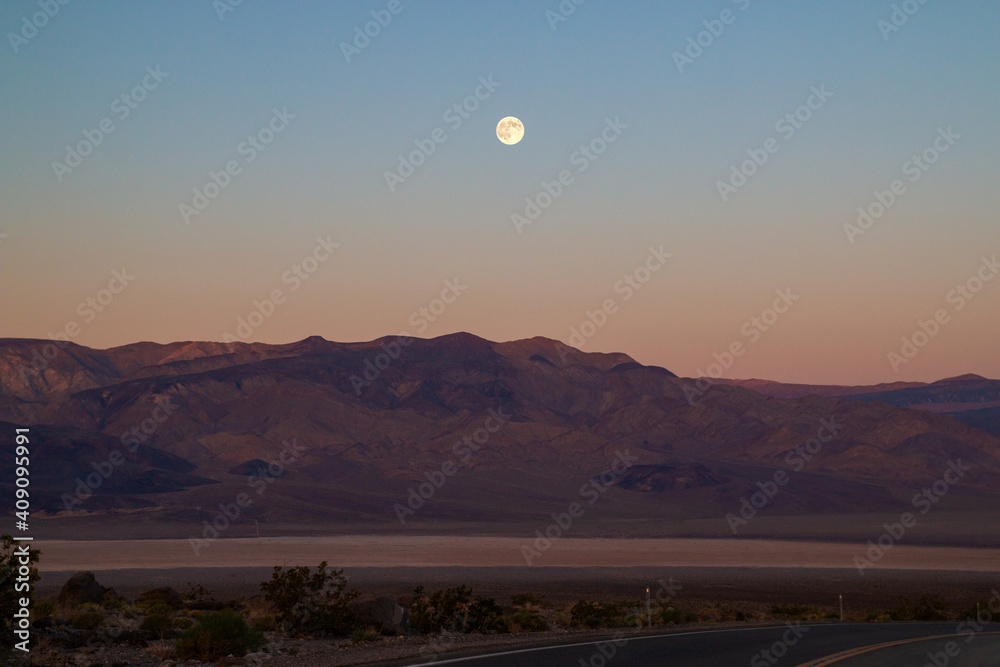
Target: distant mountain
x=792, y=390
x=496, y=436
x=986, y=419
x=970, y=398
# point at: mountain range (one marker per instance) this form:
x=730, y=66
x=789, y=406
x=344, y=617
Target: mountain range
x=970, y=398
x=461, y=435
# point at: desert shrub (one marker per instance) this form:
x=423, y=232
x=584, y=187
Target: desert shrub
x=727, y=611
x=265, y=623
x=486, y=616
x=596, y=615
x=528, y=621
x=931, y=608
x=160, y=626
x=114, y=605
x=306, y=601
x=366, y=635
x=790, y=610
x=43, y=609
x=162, y=649
x=157, y=608
x=527, y=599
x=88, y=620
x=670, y=615
x=194, y=592
x=878, y=617
x=441, y=610
x=971, y=613
x=217, y=635
x=131, y=611
x=926, y=608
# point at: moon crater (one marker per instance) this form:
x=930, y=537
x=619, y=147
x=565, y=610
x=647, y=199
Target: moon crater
x=510, y=130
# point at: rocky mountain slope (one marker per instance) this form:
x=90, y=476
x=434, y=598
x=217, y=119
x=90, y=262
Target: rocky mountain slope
x=465, y=432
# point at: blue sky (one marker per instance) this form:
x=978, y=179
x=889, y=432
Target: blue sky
x=656, y=184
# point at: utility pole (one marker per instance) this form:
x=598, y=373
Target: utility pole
x=649, y=610
x=257, y=525
x=841, y=608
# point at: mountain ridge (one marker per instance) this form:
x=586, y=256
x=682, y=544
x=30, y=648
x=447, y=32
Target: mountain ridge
x=219, y=408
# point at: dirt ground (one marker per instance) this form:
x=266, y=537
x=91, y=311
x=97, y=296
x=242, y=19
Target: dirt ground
x=816, y=587
x=390, y=551
x=734, y=580
x=720, y=570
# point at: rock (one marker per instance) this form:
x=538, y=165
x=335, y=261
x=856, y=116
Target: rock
x=167, y=595
x=82, y=587
x=384, y=613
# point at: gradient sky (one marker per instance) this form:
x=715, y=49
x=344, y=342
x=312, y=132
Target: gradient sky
x=323, y=176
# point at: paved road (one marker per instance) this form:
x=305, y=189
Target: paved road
x=756, y=647
x=969, y=649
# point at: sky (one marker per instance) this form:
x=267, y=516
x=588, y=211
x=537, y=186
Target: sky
x=688, y=185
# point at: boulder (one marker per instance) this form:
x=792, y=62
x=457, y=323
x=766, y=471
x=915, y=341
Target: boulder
x=165, y=594
x=82, y=587
x=384, y=613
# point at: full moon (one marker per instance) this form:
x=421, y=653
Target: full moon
x=510, y=130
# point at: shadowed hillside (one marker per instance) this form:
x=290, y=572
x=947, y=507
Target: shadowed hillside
x=509, y=432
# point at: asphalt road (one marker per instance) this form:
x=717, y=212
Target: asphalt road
x=757, y=647
x=968, y=649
